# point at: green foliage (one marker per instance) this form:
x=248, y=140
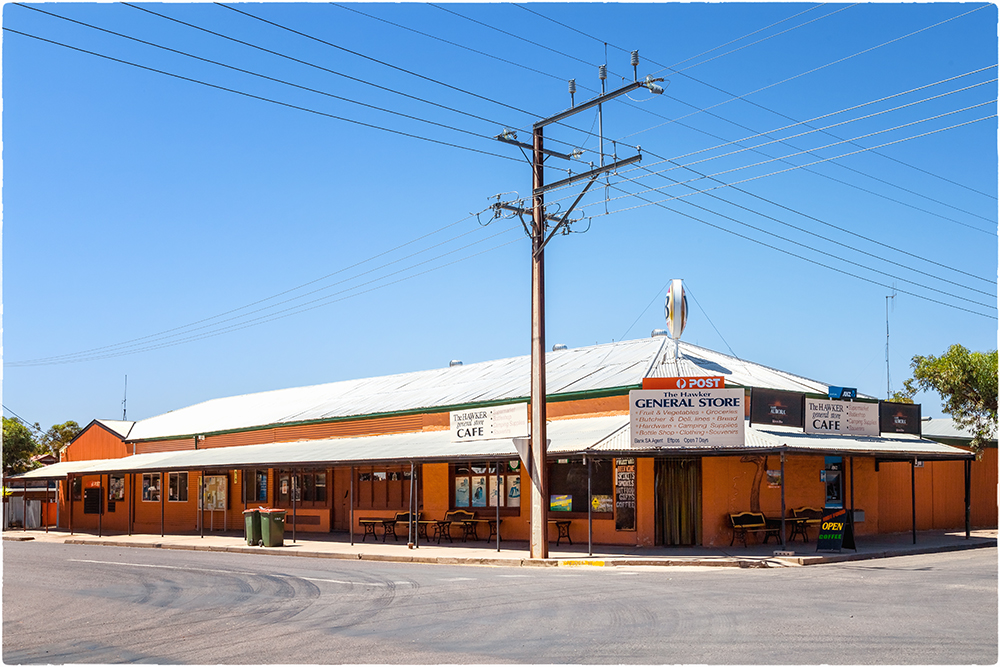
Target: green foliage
x=18, y=447
x=967, y=382
x=901, y=397
x=59, y=436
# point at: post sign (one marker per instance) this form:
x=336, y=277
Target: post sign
x=836, y=531
x=841, y=417
x=702, y=382
x=772, y=406
x=625, y=494
x=899, y=417
x=687, y=418
x=501, y=421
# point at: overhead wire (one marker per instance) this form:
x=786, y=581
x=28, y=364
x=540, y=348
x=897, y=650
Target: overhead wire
x=256, y=97
x=701, y=110
x=806, y=259
x=288, y=312
x=256, y=74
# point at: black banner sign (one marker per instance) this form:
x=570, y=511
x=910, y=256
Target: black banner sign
x=836, y=531
x=899, y=417
x=625, y=494
x=772, y=406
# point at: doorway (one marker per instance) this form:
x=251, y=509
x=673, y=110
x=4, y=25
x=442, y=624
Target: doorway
x=678, y=502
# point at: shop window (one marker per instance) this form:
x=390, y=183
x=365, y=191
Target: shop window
x=151, y=487
x=75, y=488
x=308, y=489
x=475, y=485
x=568, y=485
x=255, y=486
x=833, y=478
x=383, y=487
x=177, y=487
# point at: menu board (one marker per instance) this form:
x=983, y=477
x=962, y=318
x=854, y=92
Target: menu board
x=625, y=494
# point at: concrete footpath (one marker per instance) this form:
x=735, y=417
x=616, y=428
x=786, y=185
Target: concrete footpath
x=516, y=554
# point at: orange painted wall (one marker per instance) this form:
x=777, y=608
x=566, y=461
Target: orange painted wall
x=940, y=493
x=96, y=442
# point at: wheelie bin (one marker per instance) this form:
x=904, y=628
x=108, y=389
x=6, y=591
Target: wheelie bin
x=272, y=527
x=252, y=520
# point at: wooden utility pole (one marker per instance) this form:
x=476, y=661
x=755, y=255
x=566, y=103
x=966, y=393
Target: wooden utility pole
x=539, y=477
x=541, y=234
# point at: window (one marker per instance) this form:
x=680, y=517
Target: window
x=568, y=485
x=832, y=477
x=255, y=486
x=177, y=487
x=475, y=484
x=383, y=487
x=151, y=487
x=75, y=488
x=308, y=489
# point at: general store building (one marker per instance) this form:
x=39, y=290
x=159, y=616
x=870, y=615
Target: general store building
x=334, y=453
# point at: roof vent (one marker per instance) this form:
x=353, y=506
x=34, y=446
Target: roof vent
x=658, y=332
x=559, y=346
x=455, y=362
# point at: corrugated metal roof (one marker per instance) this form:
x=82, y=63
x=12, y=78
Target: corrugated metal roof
x=566, y=436
x=585, y=369
x=945, y=428
x=118, y=426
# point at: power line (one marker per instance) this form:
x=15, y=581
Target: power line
x=760, y=106
x=806, y=259
x=288, y=312
x=258, y=97
x=194, y=326
x=700, y=110
x=261, y=76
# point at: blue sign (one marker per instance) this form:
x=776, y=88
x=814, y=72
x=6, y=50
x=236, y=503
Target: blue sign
x=843, y=392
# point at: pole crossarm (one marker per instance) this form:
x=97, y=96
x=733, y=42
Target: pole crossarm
x=593, y=173
x=521, y=211
x=600, y=99
x=508, y=140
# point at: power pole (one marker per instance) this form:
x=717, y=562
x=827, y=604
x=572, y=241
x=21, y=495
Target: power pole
x=541, y=233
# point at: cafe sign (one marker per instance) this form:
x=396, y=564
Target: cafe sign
x=687, y=418
x=841, y=417
x=501, y=421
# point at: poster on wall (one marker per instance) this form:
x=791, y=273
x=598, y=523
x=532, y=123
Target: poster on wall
x=216, y=492
x=602, y=503
x=461, y=492
x=560, y=503
x=773, y=479
x=841, y=417
x=116, y=488
x=479, y=491
x=625, y=494
x=513, y=491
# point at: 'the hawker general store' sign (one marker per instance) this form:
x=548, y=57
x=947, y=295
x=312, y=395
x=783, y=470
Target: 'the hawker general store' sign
x=687, y=418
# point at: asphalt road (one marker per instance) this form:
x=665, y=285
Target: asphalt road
x=81, y=604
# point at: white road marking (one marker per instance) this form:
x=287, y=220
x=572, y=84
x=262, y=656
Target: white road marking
x=250, y=574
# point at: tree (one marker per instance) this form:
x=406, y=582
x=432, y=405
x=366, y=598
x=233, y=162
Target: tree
x=18, y=447
x=59, y=436
x=967, y=382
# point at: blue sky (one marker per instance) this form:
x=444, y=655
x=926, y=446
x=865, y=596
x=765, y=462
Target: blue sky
x=210, y=230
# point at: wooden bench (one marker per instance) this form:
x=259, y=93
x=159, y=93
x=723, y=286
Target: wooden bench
x=388, y=525
x=752, y=522
x=470, y=525
x=805, y=518
x=562, y=527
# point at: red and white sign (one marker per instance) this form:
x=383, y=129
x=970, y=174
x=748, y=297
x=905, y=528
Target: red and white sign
x=706, y=382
